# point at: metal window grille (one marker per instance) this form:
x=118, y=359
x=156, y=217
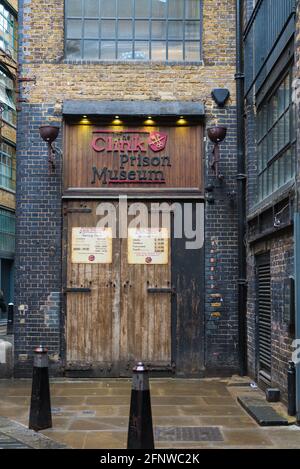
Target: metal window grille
x=162, y=30
x=264, y=313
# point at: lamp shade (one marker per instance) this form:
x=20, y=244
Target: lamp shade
x=49, y=133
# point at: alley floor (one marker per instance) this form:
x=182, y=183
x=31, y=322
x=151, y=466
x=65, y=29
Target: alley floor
x=94, y=413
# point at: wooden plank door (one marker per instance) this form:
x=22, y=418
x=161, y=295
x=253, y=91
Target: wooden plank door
x=116, y=313
x=92, y=302
x=145, y=317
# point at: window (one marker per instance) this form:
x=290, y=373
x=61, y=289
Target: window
x=7, y=99
x=276, y=139
x=162, y=30
x=8, y=36
x=7, y=231
x=7, y=166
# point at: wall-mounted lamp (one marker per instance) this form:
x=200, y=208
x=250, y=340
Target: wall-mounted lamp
x=216, y=135
x=49, y=134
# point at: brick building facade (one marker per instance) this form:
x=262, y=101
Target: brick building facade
x=50, y=79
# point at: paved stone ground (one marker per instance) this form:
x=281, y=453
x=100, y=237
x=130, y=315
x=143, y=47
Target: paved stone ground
x=94, y=413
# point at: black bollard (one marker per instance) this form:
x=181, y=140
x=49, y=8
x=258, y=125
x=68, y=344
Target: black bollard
x=292, y=389
x=140, y=428
x=10, y=319
x=40, y=408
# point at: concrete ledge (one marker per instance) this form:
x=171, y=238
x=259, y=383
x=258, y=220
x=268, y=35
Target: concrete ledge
x=133, y=108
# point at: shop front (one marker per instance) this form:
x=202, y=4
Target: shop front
x=133, y=241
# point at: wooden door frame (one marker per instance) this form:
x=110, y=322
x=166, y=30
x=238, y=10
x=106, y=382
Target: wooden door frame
x=173, y=370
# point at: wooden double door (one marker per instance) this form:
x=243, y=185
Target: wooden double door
x=118, y=313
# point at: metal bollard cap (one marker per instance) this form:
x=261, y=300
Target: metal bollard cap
x=41, y=349
x=139, y=368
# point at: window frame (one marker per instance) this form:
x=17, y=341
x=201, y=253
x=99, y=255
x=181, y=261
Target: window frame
x=13, y=46
x=133, y=40
x=8, y=182
x=269, y=163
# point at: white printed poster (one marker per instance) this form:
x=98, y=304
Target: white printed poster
x=148, y=246
x=91, y=245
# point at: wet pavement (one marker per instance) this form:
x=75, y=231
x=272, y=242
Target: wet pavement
x=186, y=413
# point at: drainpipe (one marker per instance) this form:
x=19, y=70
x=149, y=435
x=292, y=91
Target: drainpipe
x=297, y=308
x=241, y=189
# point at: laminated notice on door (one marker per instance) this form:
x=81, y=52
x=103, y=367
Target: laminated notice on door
x=148, y=246
x=92, y=245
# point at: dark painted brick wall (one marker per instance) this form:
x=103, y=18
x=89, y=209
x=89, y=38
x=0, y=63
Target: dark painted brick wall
x=38, y=248
x=221, y=255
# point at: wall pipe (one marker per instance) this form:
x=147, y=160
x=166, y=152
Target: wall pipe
x=241, y=188
x=296, y=359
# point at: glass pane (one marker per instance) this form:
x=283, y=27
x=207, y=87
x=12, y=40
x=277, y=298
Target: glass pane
x=159, y=9
x=158, y=50
x=281, y=179
x=91, y=50
x=175, y=30
x=125, y=9
x=265, y=119
x=270, y=180
x=108, y=50
x=265, y=184
x=74, y=29
x=281, y=136
x=74, y=8
x=125, y=29
x=91, y=28
x=287, y=91
x=287, y=164
x=287, y=127
x=192, y=51
x=192, y=30
x=142, y=8
x=275, y=175
x=273, y=110
x=175, y=51
x=158, y=29
x=73, y=49
x=141, y=50
x=142, y=29
x=125, y=50
x=192, y=9
x=108, y=8
x=274, y=138
x=259, y=158
x=265, y=154
x=108, y=29
x=176, y=9
x=281, y=94
x=91, y=8
x=293, y=157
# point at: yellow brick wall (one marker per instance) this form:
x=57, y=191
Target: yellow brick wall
x=57, y=80
x=7, y=199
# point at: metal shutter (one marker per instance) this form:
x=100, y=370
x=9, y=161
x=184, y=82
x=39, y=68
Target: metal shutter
x=264, y=313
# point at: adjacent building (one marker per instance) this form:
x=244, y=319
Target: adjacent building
x=8, y=116
x=271, y=47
